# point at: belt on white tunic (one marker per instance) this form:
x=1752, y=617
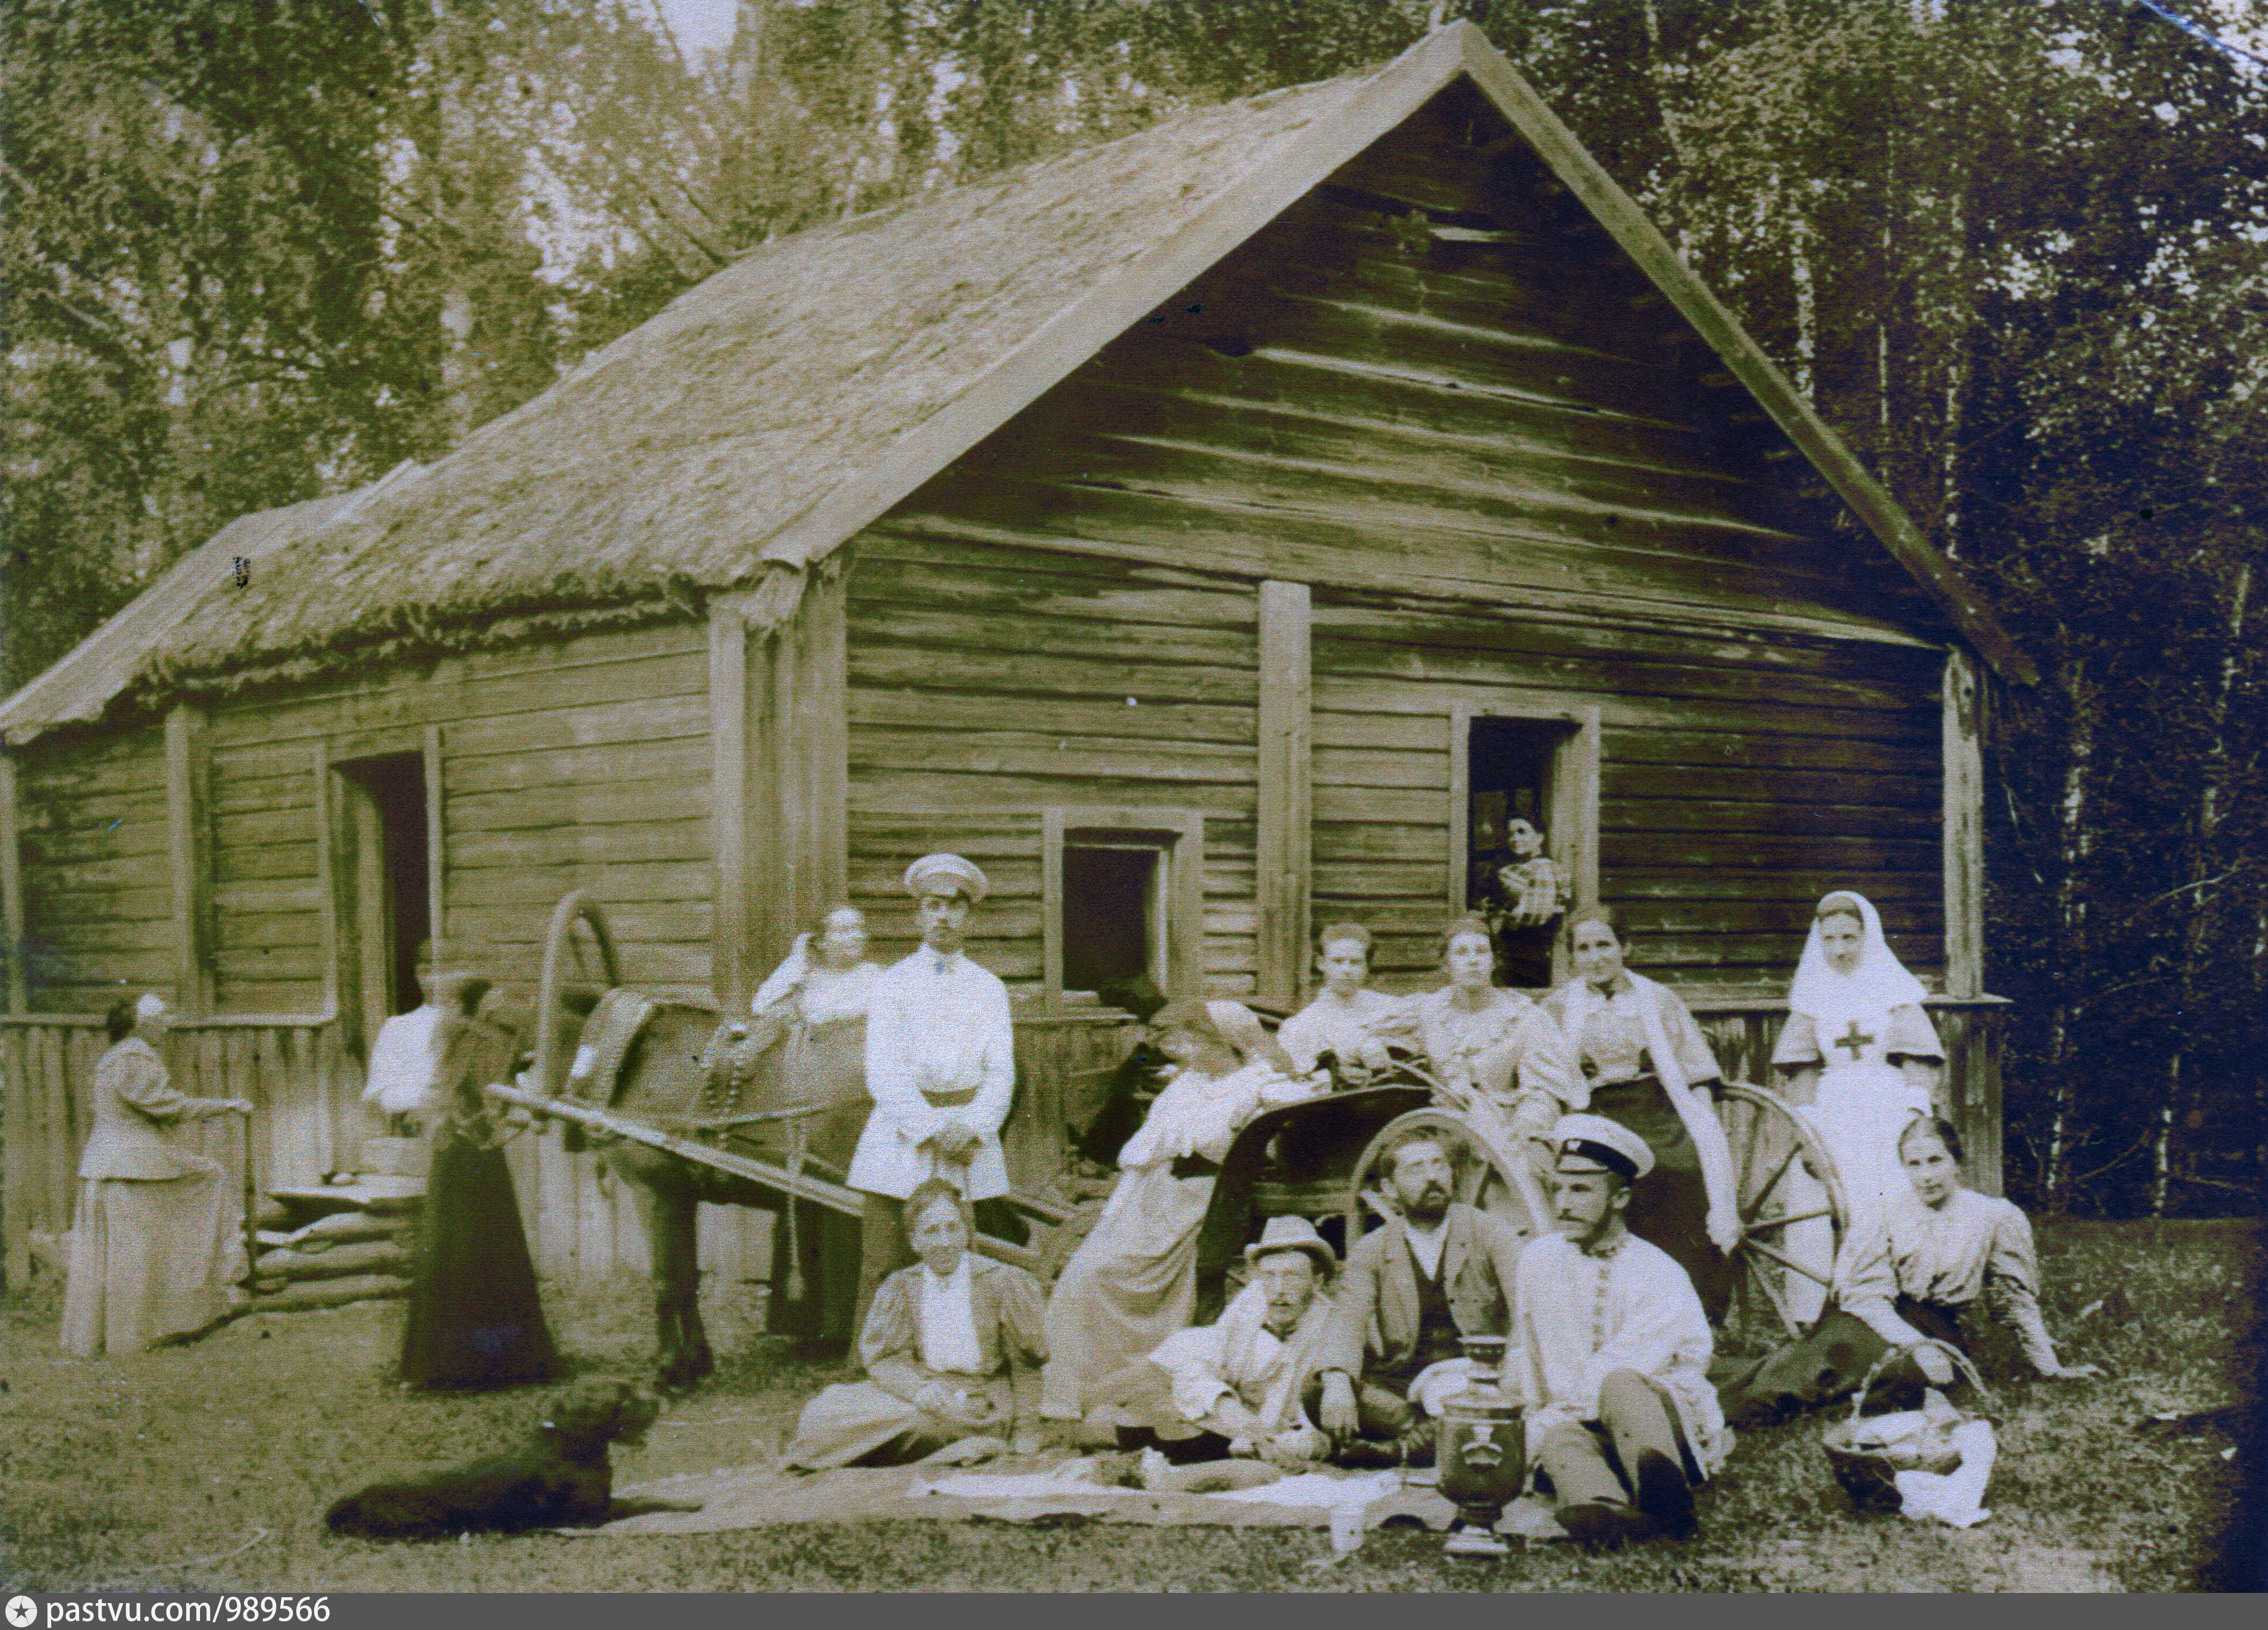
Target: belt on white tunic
x=954, y=1099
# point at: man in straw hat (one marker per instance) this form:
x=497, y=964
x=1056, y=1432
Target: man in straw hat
x=1613, y=1352
x=1235, y=1387
x=1439, y=1271
x=940, y=1067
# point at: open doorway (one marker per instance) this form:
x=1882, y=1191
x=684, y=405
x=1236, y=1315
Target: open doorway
x=386, y=912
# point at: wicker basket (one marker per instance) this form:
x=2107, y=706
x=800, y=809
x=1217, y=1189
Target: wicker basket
x=1868, y=1471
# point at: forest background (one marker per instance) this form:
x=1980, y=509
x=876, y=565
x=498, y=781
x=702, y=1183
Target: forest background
x=2017, y=251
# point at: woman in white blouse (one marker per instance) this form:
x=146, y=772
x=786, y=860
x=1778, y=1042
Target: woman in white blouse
x=1940, y=1249
x=1132, y=1282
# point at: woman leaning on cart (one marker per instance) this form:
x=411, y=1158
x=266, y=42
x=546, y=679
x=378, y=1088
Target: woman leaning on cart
x=1644, y=1063
x=1940, y=1248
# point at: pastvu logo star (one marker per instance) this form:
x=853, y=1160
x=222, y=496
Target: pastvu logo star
x=22, y=1610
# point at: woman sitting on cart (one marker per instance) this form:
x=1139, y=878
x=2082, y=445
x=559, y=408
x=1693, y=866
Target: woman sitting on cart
x=1494, y=1054
x=1332, y=1026
x=1644, y=1064
x=1940, y=1247
x=1132, y=1282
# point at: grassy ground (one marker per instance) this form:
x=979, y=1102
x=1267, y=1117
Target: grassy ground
x=136, y=1471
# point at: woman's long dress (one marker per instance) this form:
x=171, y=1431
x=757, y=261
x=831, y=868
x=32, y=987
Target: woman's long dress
x=1670, y=1206
x=823, y=1065
x=1132, y=1281
x=475, y=1316
x=154, y=1241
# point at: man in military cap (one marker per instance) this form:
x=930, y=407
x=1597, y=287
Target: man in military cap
x=1613, y=1352
x=940, y=1067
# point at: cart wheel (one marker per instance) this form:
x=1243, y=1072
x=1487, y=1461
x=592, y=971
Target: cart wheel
x=562, y=942
x=1793, y=1214
x=1484, y=1180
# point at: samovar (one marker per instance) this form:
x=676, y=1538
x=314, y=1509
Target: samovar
x=1482, y=1451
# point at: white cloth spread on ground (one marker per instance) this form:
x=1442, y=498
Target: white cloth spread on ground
x=1329, y=1024
x=936, y=1027
x=948, y=1326
x=405, y=1060
x=1581, y=1317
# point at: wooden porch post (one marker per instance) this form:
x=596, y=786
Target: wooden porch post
x=779, y=730
x=189, y=833
x=15, y=1089
x=729, y=811
x=11, y=886
x=1286, y=840
x=1964, y=827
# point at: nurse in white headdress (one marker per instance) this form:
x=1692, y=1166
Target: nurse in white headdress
x=1862, y=1058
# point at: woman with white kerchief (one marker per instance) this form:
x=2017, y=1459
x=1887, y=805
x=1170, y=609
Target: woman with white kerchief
x=1862, y=1059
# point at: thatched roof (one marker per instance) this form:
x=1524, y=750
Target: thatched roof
x=766, y=416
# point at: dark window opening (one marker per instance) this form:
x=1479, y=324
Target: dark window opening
x=1111, y=916
x=393, y=911
x=1510, y=770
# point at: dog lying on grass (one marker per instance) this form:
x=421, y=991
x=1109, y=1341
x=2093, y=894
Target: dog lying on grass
x=559, y=1478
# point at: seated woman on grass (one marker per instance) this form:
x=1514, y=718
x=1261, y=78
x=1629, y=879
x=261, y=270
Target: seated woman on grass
x=1941, y=1247
x=951, y=1346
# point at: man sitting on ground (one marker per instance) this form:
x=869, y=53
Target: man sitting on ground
x=1612, y=1353
x=1437, y=1272
x=1234, y=1388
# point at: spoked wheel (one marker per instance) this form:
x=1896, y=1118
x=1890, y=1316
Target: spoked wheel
x=1793, y=1214
x=579, y=949
x=1495, y=1181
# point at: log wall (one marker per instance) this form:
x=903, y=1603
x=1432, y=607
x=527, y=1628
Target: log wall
x=1739, y=779
x=988, y=684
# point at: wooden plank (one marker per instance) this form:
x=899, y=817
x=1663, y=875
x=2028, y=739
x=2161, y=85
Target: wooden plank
x=1425, y=680
x=13, y=942
x=1061, y=719
x=1457, y=812
x=1963, y=818
x=943, y=747
x=18, y=1163
x=1284, y=857
x=58, y=1133
x=1639, y=239
x=436, y=846
x=730, y=816
x=821, y=740
x=1051, y=906
x=536, y=677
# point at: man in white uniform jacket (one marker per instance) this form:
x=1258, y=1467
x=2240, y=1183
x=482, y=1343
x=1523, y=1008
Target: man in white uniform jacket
x=940, y=1067
x=1612, y=1352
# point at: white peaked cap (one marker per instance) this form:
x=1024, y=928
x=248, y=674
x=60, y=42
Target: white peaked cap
x=1604, y=1143
x=945, y=875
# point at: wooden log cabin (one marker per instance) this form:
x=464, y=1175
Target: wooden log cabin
x=1197, y=530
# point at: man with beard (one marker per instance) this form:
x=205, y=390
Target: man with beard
x=1439, y=1271
x=1612, y=1353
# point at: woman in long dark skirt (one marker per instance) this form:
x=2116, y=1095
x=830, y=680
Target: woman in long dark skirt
x=476, y=1316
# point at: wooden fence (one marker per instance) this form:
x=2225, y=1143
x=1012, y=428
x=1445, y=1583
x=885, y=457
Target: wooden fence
x=582, y=1225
